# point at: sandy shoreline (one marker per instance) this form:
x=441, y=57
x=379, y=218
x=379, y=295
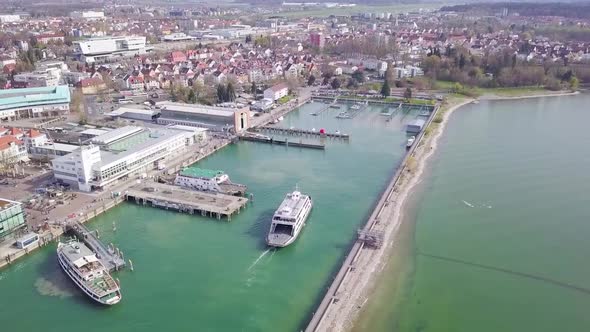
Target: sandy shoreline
x=356, y=288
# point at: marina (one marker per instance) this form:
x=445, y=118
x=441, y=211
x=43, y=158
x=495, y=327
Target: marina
x=230, y=262
x=284, y=142
x=174, y=198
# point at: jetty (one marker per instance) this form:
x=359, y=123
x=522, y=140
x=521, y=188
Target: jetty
x=174, y=198
x=304, y=132
x=111, y=259
x=285, y=142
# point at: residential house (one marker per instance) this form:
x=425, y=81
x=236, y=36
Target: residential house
x=12, y=150
x=276, y=92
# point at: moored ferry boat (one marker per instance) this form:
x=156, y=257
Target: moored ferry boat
x=87, y=272
x=289, y=219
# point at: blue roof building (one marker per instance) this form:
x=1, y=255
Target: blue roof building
x=34, y=102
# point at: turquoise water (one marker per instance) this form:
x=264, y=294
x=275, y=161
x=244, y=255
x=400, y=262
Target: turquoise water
x=501, y=225
x=194, y=273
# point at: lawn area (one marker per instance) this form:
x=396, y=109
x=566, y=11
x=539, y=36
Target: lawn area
x=285, y=99
x=500, y=92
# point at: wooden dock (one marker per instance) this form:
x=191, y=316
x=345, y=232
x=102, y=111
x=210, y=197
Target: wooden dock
x=108, y=257
x=303, y=132
x=175, y=198
x=284, y=142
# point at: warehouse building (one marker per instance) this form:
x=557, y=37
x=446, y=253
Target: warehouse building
x=120, y=153
x=34, y=102
x=195, y=115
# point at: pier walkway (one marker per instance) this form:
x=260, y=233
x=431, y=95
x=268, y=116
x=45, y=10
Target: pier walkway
x=303, y=132
x=285, y=142
x=107, y=256
x=175, y=198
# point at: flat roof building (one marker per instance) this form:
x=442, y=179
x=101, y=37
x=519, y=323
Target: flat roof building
x=34, y=102
x=121, y=152
x=104, y=48
x=213, y=118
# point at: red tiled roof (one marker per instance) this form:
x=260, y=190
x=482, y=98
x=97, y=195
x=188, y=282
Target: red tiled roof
x=5, y=141
x=33, y=133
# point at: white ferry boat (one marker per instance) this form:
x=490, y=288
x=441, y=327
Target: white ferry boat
x=88, y=273
x=289, y=219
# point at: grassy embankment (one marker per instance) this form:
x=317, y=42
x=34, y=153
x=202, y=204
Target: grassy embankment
x=498, y=92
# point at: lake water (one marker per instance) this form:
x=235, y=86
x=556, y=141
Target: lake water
x=496, y=238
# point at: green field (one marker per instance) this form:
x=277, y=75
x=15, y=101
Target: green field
x=394, y=9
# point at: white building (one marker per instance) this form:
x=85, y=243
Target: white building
x=276, y=92
x=102, y=49
x=39, y=78
x=12, y=150
x=179, y=36
x=201, y=179
x=89, y=15
x=9, y=18
x=122, y=152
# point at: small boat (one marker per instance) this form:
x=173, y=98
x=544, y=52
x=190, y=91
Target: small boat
x=355, y=107
x=343, y=115
x=337, y=132
x=410, y=142
x=424, y=113
x=313, y=130
x=335, y=106
x=281, y=118
x=475, y=102
x=87, y=272
x=313, y=113
x=275, y=121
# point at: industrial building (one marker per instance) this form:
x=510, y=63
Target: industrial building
x=12, y=217
x=195, y=115
x=34, y=102
x=104, y=48
x=134, y=113
x=120, y=153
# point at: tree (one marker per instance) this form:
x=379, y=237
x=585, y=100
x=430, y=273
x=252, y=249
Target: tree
x=335, y=83
x=221, y=93
x=253, y=88
x=461, y=61
x=385, y=89
x=77, y=102
x=408, y=93
x=311, y=80
x=192, y=98
x=359, y=76
x=230, y=92
x=574, y=83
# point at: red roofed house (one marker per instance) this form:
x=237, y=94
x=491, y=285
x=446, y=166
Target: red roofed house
x=12, y=150
x=47, y=37
x=177, y=56
x=92, y=85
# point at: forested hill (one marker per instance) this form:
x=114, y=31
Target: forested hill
x=571, y=10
